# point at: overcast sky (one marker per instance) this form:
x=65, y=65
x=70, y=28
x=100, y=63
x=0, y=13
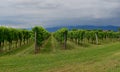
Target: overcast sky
x=49, y=13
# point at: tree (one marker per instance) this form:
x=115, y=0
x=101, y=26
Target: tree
x=40, y=34
x=1, y=38
x=20, y=36
x=61, y=36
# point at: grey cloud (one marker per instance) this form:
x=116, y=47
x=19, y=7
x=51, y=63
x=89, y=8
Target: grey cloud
x=43, y=12
x=112, y=0
x=41, y=4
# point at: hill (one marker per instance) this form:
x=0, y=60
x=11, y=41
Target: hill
x=88, y=27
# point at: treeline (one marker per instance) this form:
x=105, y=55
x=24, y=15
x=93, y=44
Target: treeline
x=90, y=36
x=13, y=38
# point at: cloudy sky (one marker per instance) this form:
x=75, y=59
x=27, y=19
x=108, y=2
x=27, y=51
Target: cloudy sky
x=49, y=13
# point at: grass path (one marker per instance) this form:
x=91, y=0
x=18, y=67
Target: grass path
x=46, y=47
x=26, y=51
x=17, y=50
x=102, y=58
x=55, y=44
x=51, y=45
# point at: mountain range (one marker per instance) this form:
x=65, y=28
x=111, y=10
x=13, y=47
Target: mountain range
x=88, y=27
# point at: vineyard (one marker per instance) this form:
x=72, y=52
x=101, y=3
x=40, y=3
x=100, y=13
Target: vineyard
x=11, y=38
x=65, y=50
x=86, y=36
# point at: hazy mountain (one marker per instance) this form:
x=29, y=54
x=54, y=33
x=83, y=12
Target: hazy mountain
x=88, y=27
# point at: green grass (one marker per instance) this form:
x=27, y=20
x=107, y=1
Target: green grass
x=77, y=58
x=17, y=50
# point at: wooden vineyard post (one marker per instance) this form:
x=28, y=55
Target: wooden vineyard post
x=96, y=38
x=35, y=43
x=65, y=39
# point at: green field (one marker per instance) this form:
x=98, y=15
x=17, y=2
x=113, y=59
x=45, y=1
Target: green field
x=77, y=58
